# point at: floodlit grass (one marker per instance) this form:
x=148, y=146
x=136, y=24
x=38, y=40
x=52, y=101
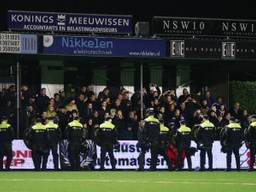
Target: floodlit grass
x=127, y=181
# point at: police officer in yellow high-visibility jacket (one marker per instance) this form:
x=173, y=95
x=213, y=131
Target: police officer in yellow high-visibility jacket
x=53, y=138
x=151, y=132
x=231, y=140
x=107, y=136
x=183, y=142
x=164, y=140
x=6, y=136
x=75, y=134
x=38, y=137
x=250, y=138
x=204, y=136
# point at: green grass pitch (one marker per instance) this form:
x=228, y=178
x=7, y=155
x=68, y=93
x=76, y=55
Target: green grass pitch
x=127, y=181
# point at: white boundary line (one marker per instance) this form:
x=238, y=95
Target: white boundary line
x=173, y=181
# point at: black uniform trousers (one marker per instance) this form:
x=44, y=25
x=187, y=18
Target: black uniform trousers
x=252, y=147
x=107, y=148
x=141, y=158
x=54, y=148
x=5, y=150
x=203, y=152
x=74, y=150
x=180, y=162
x=235, y=150
x=162, y=151
x=154, y=151
x=39, y=155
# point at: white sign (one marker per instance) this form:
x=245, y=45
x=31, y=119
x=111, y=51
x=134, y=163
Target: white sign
x=18, y=43
x=10, y=43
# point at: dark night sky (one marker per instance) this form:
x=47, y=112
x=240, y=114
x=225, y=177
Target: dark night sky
x=141, y=10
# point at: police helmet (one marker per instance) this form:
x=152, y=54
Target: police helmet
x=252, y=118
x=38, y=120
x=205, y=117
x=151, y=111
x=108, y=118
x=182, y=122
x=4, y=118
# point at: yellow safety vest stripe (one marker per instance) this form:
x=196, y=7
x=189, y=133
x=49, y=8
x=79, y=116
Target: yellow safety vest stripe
x=184, y=128
x=234, y=126
x=38, y=126
x=107, y=125
x=51, y=125
x=253, y=124
x=75, y=123
x=4, y=125
x=207, y=124
x=151, y=118
x=163, y=128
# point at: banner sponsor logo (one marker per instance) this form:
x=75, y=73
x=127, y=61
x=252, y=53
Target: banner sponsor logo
x=18, y=43
x=103, y=46
x=203, y=26
x=69, y=22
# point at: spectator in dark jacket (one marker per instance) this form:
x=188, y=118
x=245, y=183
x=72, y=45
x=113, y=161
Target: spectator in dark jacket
x=80, y=103
x=132, y=125
x=184, y=96
x=235, y=111
x=42, y=101
x=121, y=127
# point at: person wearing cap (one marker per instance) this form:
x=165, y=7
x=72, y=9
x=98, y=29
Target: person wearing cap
x=231, y=140
x=250, y=139
x=75, y=133
x=183, y=142
x=6, y=137
x=107, y=137
x=38, y=138
x=204, y=135
x=151, y=134
x=53, y=138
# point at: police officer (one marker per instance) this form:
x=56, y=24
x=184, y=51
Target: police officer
x=151, y=134
x=53, y=138
x=75, y=134
x=38, y=137
x=231, y=140
x=183, y=142
x=250, y=138
x=204, y=135
x=142, y=145
x=164, y=140
x=6, y=137
x=106, y=134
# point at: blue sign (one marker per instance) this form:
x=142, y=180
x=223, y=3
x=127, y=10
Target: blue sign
x=69, y=22
x=18, y=43
x=103, y=46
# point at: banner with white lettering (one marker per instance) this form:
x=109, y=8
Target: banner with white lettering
x=103, y=46
x=69, y=22
x=126, y=155
x=18, y=43
x=203, y=26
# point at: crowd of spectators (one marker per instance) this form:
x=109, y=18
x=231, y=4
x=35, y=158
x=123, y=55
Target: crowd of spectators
x=124, y=110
